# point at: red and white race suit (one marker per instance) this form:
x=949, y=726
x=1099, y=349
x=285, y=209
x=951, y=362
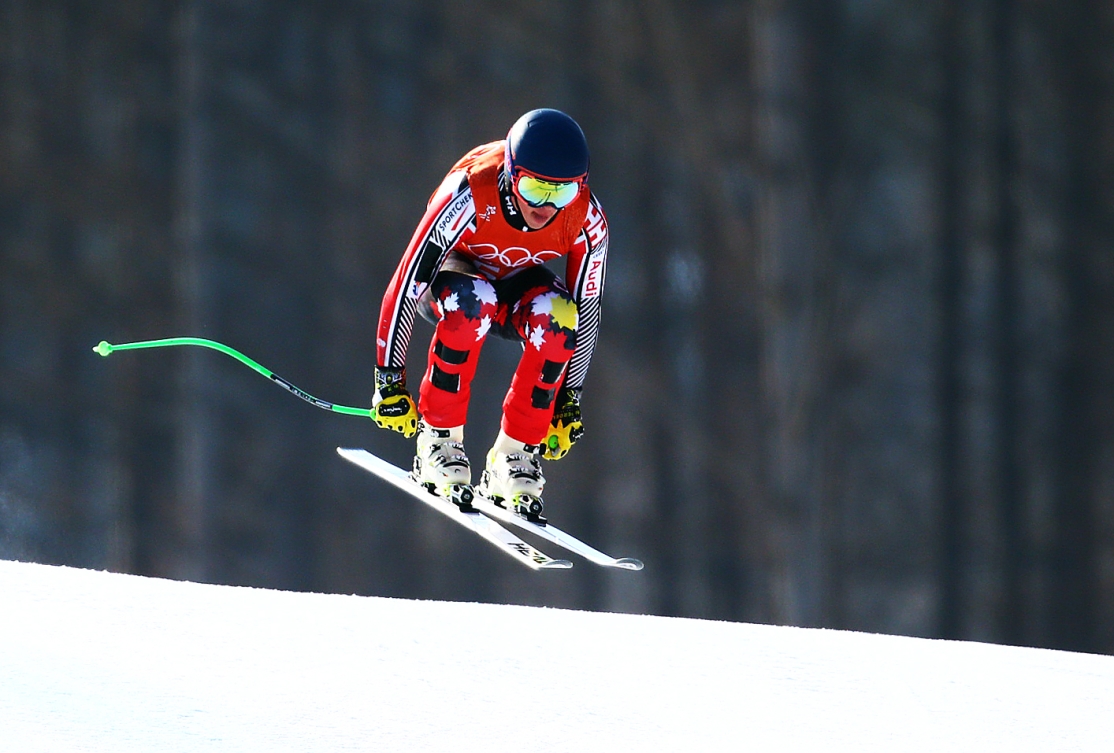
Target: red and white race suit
x=472, y=272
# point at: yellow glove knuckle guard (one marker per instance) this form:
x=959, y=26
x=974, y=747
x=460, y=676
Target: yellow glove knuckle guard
x=398, y=413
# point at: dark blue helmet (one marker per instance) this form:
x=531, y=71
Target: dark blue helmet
x=548, y=144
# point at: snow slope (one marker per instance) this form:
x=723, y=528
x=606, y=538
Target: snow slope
x=104, y=662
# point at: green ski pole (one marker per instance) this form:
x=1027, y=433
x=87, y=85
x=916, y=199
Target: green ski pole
x=106, y=349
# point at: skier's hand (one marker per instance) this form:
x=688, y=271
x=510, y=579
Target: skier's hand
x=392, y=407
x=567, y=425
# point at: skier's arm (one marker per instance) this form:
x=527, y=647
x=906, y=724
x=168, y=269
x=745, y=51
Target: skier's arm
x=587, y=264
x=448, y=215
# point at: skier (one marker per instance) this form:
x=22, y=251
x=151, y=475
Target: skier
x=474, y=267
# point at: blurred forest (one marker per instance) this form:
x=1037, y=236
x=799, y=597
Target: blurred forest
x=857, y=360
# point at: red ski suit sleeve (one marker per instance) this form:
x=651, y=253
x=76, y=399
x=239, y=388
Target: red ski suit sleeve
x=448, y=214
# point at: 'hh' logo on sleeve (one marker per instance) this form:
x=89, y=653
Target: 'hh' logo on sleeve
x=597, y=226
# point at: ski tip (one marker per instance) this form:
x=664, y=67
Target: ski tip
x=629, y=563
x=557, y=565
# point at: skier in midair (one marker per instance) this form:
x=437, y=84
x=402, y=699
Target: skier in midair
x=473, y=268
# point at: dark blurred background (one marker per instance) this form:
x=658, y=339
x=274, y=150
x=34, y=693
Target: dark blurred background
x=857, y=360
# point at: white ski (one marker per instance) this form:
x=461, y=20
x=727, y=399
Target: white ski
x=473, y=521
x=554, y=534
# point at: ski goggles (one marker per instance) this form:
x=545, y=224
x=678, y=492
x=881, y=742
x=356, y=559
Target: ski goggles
x=538, y=192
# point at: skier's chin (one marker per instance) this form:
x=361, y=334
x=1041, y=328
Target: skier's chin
x=538, y=217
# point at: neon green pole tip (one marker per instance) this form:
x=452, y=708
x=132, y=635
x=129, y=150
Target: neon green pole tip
x=103, y=348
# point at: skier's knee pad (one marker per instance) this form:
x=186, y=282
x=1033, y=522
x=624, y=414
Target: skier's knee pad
x=459, y=300
x=555, y=345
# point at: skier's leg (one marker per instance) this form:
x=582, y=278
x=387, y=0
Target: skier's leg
x=465, y=306
x=545, y=319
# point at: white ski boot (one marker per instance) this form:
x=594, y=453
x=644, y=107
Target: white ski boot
x=513, y=477
x=441, y=466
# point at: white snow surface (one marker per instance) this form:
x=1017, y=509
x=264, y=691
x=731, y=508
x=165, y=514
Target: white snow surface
x=93, y=661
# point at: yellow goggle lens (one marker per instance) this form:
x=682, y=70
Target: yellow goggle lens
x=538, y=192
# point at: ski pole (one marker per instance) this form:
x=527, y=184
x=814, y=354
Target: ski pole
x=105, y=349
